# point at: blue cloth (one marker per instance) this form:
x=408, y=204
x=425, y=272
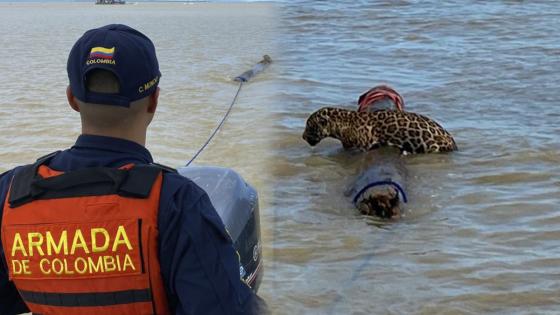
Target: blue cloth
x=199, y=265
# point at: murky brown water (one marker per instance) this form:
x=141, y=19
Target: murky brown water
x=201, y=47
x=481, y=230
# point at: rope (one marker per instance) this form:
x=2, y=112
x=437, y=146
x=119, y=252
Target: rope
x=380, y=183
x=219, y=125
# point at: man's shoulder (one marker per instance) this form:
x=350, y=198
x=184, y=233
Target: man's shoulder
x=177, y=186
x=6, y=177
x=176, y=179
x=5, y=182
x=185, y=205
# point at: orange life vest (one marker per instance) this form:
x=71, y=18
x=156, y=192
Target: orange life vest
x=85, y=242
x=367, y=100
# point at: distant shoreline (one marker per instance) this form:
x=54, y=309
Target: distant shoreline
x=130, y=1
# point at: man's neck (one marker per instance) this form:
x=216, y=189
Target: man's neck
x=138, y=137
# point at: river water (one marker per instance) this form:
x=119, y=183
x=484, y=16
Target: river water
x=481, y=230
x=200, y=48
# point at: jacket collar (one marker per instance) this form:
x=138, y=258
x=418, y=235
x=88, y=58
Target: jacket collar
x=115, y=145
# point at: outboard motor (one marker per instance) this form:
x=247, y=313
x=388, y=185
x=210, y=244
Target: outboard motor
x=234, y=199
x=237, y=204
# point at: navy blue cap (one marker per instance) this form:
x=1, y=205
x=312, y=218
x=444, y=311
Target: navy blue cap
x=122, y=50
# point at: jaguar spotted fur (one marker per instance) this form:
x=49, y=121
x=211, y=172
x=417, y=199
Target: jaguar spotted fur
x=410, y=132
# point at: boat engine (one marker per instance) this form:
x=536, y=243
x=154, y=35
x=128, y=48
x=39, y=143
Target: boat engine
x=237, y=204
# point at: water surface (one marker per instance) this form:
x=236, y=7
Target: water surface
x=200, y=48
x=481, y=230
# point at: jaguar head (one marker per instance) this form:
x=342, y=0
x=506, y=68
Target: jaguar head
x=381, y=204
x=317, y=126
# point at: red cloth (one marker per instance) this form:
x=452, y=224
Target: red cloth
x=379, y=93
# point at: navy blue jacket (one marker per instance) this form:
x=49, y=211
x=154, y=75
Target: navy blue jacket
x=199, y=265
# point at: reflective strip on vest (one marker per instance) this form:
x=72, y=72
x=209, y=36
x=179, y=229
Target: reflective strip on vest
x=87, y=299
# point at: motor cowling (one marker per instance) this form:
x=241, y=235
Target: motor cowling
x=237, y=204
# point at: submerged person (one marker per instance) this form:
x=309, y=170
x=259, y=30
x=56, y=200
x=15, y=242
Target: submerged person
x=101, y=229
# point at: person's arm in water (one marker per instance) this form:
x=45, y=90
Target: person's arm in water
x=199, y=265
x=10, y=301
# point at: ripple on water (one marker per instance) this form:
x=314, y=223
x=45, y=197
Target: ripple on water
x=478, y=235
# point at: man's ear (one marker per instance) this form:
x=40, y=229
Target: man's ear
x=72, y=100
x=153, y=101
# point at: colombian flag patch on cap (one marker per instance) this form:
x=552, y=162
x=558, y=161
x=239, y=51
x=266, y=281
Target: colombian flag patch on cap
x=102, y=52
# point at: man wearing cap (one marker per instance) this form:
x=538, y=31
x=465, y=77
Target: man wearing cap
x=101, y=229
